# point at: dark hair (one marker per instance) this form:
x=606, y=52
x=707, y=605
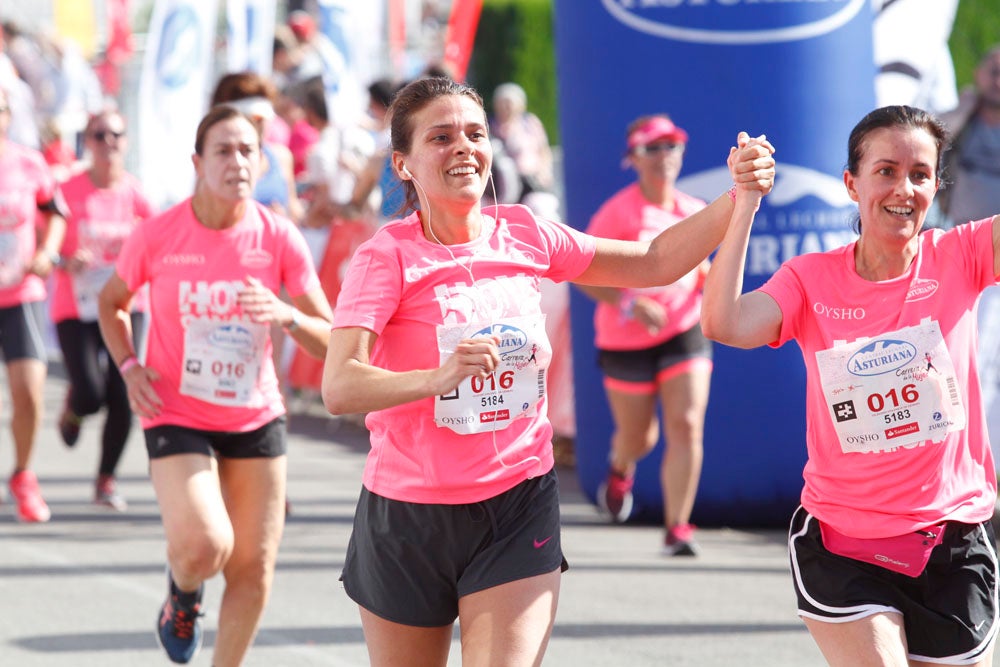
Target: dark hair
x=216, y=115
x=895, y=116
x=241, y=85
x=410, y=99
x=381, y=91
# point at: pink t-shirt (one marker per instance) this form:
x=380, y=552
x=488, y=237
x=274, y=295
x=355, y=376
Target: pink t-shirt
x=402, y=287
x=629, y=216
x=100, y=219
x=902, y=489
x=25, y=183
x=194, y=275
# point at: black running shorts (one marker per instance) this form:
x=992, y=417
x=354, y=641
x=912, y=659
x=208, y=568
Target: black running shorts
x=21, y=329
x=266, y=442
x=410, y=563
x=649, y=364
x=949, y=611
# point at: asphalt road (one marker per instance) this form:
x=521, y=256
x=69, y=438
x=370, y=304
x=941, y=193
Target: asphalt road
x=84, y=589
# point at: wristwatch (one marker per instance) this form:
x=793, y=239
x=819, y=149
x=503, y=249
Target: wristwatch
x=294, y=324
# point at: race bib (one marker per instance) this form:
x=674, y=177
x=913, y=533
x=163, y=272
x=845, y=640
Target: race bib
x=87, y=285
x=12, y=264
x=222, y=360
x=892, y=391
x=512, y=391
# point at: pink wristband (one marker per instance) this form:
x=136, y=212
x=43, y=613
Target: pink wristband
x=128, y=364
x=732, y=193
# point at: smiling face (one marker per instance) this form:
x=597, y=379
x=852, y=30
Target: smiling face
x=895, y=182
x=229, y=159
x=450, y=153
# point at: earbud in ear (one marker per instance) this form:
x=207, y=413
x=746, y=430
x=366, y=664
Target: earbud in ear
x=406, y=172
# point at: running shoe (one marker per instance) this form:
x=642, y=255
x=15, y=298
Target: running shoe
x=680, y=541
x=178, y=628
x=615, y=496
x=31, y=507
x=69, y=425
x=106, y=493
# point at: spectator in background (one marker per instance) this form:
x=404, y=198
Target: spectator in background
x=973, y=166
x=28, y=195
x=22, y=128
x=650, y=342
x=523, y=137
x=105, y=204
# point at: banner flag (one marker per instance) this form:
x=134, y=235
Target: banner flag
x=250, y=44
x=173, y=95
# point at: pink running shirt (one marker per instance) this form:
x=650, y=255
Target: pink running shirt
x=25, y=183
x=100, y=219
x=894, y=491
x=196, y=272
x=402, y=286
x=629, y=216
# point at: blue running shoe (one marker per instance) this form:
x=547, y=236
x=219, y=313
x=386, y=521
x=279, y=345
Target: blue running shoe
x=179, y=626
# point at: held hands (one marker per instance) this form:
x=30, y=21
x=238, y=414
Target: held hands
x=473, y=357
x=751, y=165
x=262, y=305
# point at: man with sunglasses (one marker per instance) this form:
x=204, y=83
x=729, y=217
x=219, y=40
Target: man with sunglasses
x=649, y=341
x=28, y=253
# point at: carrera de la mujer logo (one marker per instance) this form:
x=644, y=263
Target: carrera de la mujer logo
x=511, y=338
x=882, y=356
x=735, y=21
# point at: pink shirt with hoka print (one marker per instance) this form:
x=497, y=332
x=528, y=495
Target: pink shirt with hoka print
x=194, y=275
x=629, y=216
x=892, y=490
x=99, y=220
x=403, y=287
x=25, y=182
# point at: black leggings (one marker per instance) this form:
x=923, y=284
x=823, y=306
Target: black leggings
x=94, y=381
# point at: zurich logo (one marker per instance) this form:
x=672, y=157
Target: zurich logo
x=180, y=46
x=882, y=356
x=734, y=21
x=231, y=337
x=511, y=338
x=791, y=183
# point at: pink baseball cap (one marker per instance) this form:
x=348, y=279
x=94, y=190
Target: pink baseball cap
x=656, y=129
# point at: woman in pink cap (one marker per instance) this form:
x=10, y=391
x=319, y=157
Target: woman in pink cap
x=649, y=340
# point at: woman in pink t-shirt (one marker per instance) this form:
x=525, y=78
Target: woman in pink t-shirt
x=105, y=203
x=31, y=230
x=892, y=549
x=649, y=341
x=439, y=336
x=206, y=391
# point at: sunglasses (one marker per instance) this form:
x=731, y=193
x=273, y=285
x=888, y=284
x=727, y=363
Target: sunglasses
x=103, y=135
x=660, y=147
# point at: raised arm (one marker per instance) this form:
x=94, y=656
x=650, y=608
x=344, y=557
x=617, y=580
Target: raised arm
x=996, y=245
x=683, y=246
x=727, y=315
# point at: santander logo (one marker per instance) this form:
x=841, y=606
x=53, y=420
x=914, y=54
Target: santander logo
x=733, y=21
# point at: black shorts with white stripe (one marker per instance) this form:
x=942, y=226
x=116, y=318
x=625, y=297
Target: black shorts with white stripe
x=949, y=611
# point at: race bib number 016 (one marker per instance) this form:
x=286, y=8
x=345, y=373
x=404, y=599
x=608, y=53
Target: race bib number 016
x=512, y=391
x=896, y=390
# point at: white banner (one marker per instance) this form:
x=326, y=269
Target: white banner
x=251, y=35
x=177, y=73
